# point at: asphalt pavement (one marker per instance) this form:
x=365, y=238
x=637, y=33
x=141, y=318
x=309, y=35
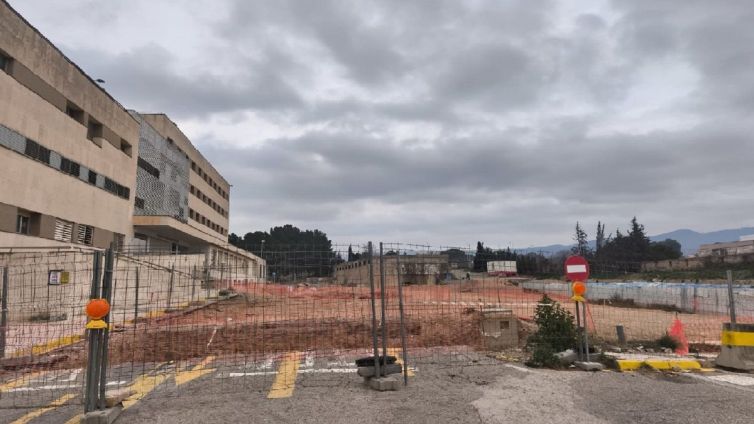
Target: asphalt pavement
x=300, y=389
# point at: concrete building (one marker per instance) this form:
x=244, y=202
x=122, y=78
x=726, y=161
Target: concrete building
x=415, y=269
x=732, y=248
x=67, y=147
x=78, y=169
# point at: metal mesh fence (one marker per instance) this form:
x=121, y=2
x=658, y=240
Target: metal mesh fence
x=195, y=320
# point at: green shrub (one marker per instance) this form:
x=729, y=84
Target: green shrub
x=556, y=332
x=543, y=355
x=668, y=341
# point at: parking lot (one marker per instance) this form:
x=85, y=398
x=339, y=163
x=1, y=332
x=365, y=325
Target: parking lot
x=297, y=387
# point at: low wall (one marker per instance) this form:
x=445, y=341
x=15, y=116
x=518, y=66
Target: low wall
x=686, y=297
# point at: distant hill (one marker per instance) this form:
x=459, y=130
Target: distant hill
x=690, y=240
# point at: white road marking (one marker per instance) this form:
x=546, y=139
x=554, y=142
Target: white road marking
x=300, y=371
x=739, y=380
x=516, y=367
x=73, y=375
x=56, y=387
x=309, y=360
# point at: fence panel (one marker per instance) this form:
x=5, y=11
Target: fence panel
x=198, y=319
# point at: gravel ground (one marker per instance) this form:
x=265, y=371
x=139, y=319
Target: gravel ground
x=480, y=393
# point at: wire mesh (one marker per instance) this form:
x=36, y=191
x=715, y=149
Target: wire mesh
x=223, y=323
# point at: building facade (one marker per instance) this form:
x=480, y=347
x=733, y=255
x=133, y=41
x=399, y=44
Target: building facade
x=414, y=269
x=67, y=148
x=732, y=248
x=78, y=169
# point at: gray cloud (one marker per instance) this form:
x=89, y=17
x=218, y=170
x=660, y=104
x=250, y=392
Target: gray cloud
x=447, y=121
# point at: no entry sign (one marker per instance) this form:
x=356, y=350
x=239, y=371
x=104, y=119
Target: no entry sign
x=577, y=268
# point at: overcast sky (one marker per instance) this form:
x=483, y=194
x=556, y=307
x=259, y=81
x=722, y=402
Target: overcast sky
x=443, y=122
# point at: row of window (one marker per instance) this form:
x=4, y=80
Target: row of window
x=36, y=151
x=196, y=216
x=196, y=168
x=94, y=129
x=63, y=229
x=211, y=203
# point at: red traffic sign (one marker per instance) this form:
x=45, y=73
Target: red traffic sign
x=577, y=268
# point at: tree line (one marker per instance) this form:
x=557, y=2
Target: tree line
x=291, y=253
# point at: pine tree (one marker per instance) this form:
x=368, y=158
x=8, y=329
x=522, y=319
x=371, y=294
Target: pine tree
x=582, y=244
x=600, y=241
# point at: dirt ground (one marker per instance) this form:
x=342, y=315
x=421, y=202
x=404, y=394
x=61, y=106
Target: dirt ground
x=270, y=318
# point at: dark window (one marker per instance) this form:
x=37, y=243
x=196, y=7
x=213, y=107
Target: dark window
x=122, y=191
x=139, y=202
x=74, y=112
x=125, y=147
x=70, y=167
x=92, y=177
x=22, y=224
x=4, y=62
x=43, y=154
x=143, y=164
x=85, y=233
x=32, y=148
x=93, y=130
x=110, y=185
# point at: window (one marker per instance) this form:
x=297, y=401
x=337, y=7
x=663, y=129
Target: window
x=70, y=167
x=125, y=147
x=22, y=224
x=5, y=61
x=74, y=112
x=143, y=164
x=84, y=235
x=63, y=230
x=139, y=202
x=93, y=130
x=92, y=177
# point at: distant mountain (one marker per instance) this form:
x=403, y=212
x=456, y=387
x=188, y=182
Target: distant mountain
x=690, y=240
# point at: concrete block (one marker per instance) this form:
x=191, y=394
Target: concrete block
x=105, y=416
x=384, y=384
x=589, y=366
x=499, y=328
x=115, y=397
x=737, y=347
x=388, y=369
x=567, y=357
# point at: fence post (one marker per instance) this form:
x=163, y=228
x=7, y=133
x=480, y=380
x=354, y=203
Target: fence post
x=92, y=363
x=170, y=286
x=383, y=307
x=193, y=282
x=107, y=294
x=4, y=313
x=136, y=298
x=376, y=349
x=731, y=300
x=400, y=308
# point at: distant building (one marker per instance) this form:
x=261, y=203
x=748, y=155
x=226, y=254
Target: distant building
x=415, y=269
x=732, y=248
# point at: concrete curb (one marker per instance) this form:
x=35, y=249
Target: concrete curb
x=659, y=364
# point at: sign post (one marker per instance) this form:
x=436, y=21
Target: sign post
x=577, y=271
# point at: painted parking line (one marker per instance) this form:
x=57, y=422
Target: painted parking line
x=737, y=379
x=143, y=385
x=20, y=381
x=183, y=377
x=38, y=412
x=285, y=380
